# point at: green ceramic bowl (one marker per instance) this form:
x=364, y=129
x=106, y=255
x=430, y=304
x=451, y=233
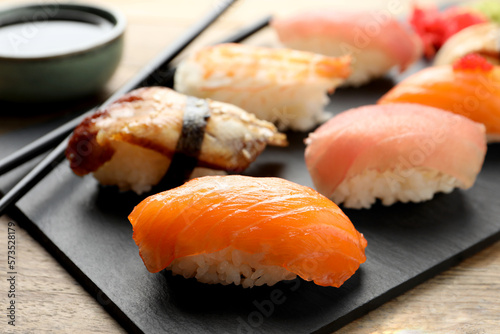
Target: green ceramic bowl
x=55, y=52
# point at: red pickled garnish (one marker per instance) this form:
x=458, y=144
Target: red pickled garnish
x=435, y=27
x=472, y=62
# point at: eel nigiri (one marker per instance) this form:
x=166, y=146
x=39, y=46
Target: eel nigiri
x=483, y=39
x=284, y=86
x=155, y=131
x=248, y=231
x=375, y=42
x=395, y=152
x=471, y=87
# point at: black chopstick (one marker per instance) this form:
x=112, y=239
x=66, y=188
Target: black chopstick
x=57, y=155
x=40, y=145
x=248, y=31
x=154, y=71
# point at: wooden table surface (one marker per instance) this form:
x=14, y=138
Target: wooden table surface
x=464, y=299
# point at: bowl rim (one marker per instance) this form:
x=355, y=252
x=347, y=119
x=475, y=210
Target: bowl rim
x=116, y=32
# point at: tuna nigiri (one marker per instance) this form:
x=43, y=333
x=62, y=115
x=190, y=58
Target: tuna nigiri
x=471, y=87
x=395, y=152
x=154, y=133
x=375, y=41
x=284, y=86
x=248, y=231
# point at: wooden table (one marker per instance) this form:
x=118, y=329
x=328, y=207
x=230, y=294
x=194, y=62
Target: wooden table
x=464, y=299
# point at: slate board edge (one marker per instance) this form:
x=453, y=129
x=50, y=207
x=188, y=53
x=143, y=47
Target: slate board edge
x=131, y=327
x=409, y=284
x=100, y=297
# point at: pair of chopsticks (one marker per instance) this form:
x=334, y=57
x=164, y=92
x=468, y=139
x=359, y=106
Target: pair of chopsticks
x=159, y=67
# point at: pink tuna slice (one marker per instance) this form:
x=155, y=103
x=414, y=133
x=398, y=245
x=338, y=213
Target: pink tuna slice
x=362, y=30
x=382, y=137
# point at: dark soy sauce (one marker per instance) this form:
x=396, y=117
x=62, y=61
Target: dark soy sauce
x=55, y=36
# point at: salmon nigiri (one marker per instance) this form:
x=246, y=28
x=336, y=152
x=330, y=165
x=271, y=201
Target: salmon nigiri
x=284, y=86
x=471, y=87
x=395, y=152
x=248, y=231
x=376, y=41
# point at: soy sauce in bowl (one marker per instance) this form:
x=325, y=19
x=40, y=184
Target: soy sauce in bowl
x=57, y=51
x=48, y=38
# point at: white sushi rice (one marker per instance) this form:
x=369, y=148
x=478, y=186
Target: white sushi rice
x=404, y=185
x=230, y=266
x=133, y=167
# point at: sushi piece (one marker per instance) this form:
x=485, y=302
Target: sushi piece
x=471, y=87
x=395, y=152
x=248, y=231
x=284, y=86
x=155, y=133
x=375, y=42
x=482, y=39
x=435, y=27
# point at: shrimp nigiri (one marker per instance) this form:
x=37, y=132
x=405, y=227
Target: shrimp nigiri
x=284, y=86
x=154, y=131
x=471, y=87
x=376, y=42
x=395, y=152
x=248, y=231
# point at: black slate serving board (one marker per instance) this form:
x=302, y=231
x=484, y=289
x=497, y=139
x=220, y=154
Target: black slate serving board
x=85, y=226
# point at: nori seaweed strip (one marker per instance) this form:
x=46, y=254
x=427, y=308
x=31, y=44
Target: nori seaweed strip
x=185, y=158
